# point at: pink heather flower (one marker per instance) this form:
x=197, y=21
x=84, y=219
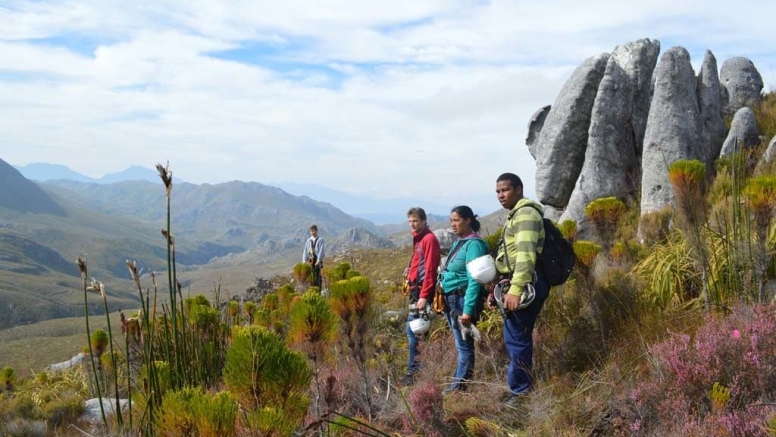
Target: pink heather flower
x=736, y=333
x=635, y=426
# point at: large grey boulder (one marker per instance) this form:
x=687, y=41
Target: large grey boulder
x=673, y=128
x=710, y=104
x=638, y=60
x=611, y=162
x=743, y=134
x=563, y=138
x=535, y=125
x=742, y=84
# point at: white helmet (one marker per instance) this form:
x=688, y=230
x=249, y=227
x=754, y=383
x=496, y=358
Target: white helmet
x=482, y=269
x=526, y=297
x=421, y=325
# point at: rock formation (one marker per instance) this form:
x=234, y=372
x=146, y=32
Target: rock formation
x=673, y=127
x=743, y=133
x=563, y=138
x=535, y=128
x=621, y=120
x=610, y=160
x=638, y=60
x=742, y=84
x=709, y=93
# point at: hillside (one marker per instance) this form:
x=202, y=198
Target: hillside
x=226, y=235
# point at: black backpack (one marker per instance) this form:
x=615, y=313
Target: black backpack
x=557, y=257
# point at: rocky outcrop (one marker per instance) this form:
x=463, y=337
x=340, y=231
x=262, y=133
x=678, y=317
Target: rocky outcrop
x=446, y=238
x=709, y=93
x=611, y=163
x=743, y=133
x=673, y=127
x=535, y=128
x=742, y=83
x=357, y=238
x=638, y=59
x=563, y=138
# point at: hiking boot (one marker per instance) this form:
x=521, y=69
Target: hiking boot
x=408, y=379
x=515, y=402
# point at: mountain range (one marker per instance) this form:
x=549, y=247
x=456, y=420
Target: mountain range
x=226, y=235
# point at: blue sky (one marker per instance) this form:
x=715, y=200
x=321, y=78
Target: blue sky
x=401, y=98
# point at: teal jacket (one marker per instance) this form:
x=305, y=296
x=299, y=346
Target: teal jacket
x=455, y=276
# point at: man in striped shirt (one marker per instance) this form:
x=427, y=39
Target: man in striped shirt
x=523, y=240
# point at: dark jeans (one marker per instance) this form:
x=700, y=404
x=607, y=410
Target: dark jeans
x=317, y=275
x=413, y=364
x=465, y=366
x=518, y=339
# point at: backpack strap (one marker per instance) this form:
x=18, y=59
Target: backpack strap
x=502, y=240
x=451, y=256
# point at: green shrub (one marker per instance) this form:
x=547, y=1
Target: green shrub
x=99, y=341
x=214, y=414
x=7, y=378
x=62, y=411
x=260, y=371
x=175, y=418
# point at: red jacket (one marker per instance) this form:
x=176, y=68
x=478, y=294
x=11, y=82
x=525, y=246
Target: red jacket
x=424, y=262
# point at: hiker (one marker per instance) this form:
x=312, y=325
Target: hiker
x=314, y=254
x=462, y=293
x=522, y=240
x=420, y=280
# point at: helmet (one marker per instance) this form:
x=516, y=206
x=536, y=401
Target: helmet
x=526, y=297
x=482, y=269
x=421, y=325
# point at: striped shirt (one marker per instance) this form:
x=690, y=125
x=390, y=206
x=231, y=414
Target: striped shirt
x=524, y=238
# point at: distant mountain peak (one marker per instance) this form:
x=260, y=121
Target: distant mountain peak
x=20, y=194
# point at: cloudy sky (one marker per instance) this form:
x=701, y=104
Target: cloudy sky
x=426, y=99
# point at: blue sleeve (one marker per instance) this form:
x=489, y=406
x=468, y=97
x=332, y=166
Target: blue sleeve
x=304, y=252
x=475, y=249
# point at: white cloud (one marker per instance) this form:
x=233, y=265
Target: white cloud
x=422, y=98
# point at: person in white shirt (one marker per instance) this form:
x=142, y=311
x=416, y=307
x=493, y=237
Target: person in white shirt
x=314, y=254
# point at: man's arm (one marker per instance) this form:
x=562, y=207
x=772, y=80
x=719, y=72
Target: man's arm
x=305, y=251
x=527, y=225
x=320, y=252
x=431, y=256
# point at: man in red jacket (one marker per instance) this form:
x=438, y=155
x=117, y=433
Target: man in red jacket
x=421, y=276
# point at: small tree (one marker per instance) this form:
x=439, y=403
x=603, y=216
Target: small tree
x=7, y=378
x=688, y=181
x=760, y=195
x=267, y=378
x=303, y=272
x=313, y=328
x=605, y=214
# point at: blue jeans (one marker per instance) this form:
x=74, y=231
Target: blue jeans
x=518, y=339
x=413, y=364
x=465, y=367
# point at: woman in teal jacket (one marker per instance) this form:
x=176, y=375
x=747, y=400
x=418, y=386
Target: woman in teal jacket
x=463, y=295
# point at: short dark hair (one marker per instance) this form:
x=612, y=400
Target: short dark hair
x=512, y=178
x=465, y=212
x=313, y=227
x=418, y=212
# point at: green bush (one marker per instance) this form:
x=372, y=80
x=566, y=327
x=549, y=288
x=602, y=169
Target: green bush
x=261, y=372
x=214, y=414
x=175, y=417
x=62, y=411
